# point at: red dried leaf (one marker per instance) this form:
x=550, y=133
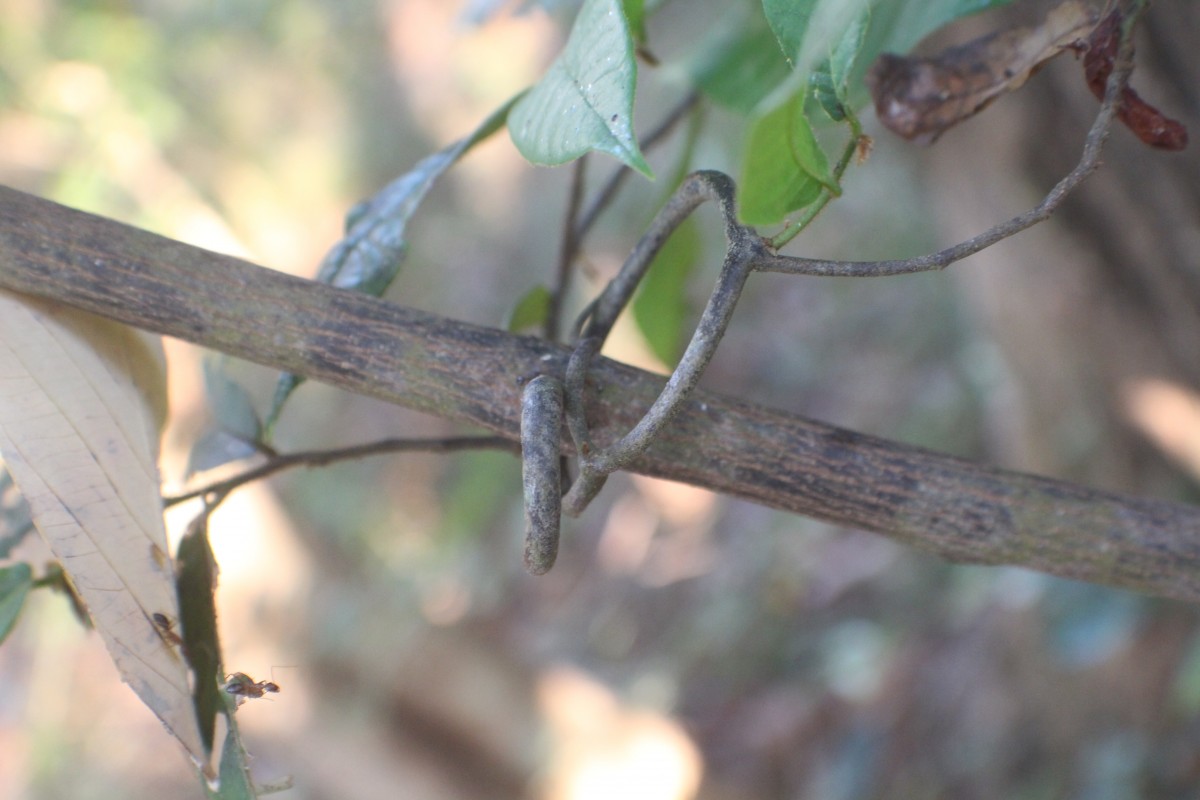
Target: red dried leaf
x=1147, y=122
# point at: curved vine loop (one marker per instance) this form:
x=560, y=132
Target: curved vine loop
x=746, y=251
x=744, y=247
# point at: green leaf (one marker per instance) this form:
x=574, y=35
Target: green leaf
x=15, y=520
x=195, y=581
x=809, y=31
x=740, y=63
x=785, y=167
x=229, y=401
x=15, y=583
x=288, y=382
x=903, y=23
x=789, y=22
x=830, y=80
x=585, y=101
x=217, y=448
x=235, y=780
x=660, y=307
x=17, y=526
x=368, y=258
x=635, y=14
x=530, y=311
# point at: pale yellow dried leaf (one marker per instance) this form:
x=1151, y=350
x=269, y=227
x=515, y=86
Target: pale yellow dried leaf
x=81, y=404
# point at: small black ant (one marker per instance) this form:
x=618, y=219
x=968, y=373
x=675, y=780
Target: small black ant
x=165, y=627
x=243, y=687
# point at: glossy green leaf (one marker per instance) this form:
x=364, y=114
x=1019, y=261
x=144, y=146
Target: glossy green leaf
x=660, y=307
x=785, y=167
x=530, y=311
x=740, y=63
x=15, y=583
x=585, y=101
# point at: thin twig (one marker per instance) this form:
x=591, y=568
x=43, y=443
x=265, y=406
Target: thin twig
x=568, y=250
x=214, y=493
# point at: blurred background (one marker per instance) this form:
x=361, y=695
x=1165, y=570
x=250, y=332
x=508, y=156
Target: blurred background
x=685, y=646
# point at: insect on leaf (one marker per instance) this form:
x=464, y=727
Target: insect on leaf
x=585, y=101
x=81, y=401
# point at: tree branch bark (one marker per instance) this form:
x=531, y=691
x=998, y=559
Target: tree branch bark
x=954, y=508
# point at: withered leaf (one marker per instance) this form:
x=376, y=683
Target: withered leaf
x=921, y=97
x=1147, y=122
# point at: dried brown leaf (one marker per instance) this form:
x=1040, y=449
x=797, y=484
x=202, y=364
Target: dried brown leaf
x=920, y=98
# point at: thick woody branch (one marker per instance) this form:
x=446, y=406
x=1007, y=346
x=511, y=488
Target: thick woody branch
x=957, y=509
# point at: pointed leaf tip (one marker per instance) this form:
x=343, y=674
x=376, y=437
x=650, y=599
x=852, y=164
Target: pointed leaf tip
x=585, y=101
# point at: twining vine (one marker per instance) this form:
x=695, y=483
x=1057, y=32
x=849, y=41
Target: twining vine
x=552, y=400
x=746, y=252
